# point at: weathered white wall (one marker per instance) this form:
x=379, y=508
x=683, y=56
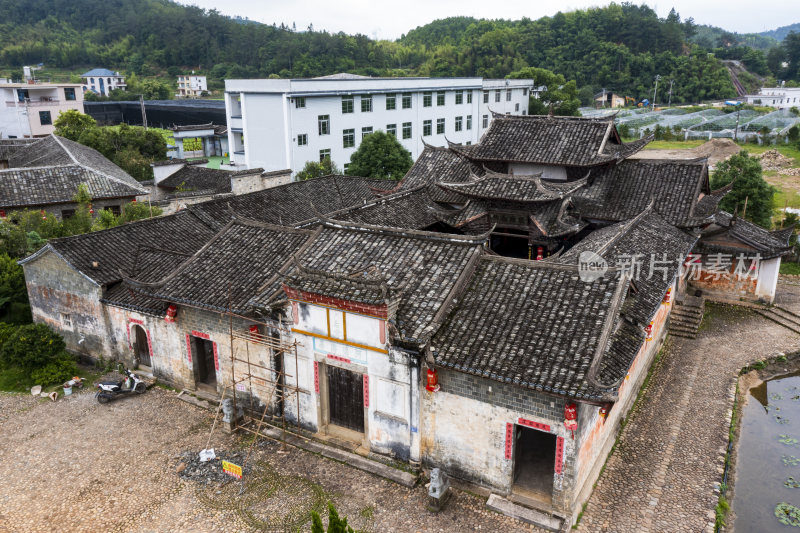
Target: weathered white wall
x=547, y=171
x=768, y=279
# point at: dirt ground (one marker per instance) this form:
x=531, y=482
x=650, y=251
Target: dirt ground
x=715, y=150
x=79, y=466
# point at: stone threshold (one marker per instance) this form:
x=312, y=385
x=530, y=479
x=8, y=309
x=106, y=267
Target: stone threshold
x=525, y=514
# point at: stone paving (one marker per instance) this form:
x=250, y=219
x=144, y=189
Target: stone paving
x=661, y=476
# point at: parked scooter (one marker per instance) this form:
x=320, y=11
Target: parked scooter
x=110, y=390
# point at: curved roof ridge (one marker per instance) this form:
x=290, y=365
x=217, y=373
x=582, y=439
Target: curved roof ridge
x=406, y=233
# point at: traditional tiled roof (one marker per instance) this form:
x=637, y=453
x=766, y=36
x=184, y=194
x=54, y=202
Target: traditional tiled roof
x=178, y=161
x=659, y=248
x=115, y=251
x=622, y=191
x=550, y=140
x=49, y=171
x=421, y=267
x=733, y=235
x=291, y=204
x=242, y=258
x=495, y=186
x=361, y=286
x=194, y=178
x=556, y=218
x=533, y=324
x=436, y=165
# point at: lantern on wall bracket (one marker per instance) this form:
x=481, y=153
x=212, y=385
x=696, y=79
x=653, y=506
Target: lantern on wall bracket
x=171, y=312
x=433, y=381
x=571, y=418
x=667, y=297
x=604, y=411
x=649, y=331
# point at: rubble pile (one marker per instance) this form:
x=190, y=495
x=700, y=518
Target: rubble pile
x=794, y=171
x=774, y=160
x=190, y=467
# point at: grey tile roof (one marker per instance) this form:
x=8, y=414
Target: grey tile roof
x=194, y=178
x=647, y=236
x=533, y=324
x=49, y=171
x=116, y=250
x=242, y=258
x=550, y=140
x=622, y=191
x=496, y=186
x=362, y=286
x=421, y=267
x=734, y=235
x=291, y=204
x=437, y=165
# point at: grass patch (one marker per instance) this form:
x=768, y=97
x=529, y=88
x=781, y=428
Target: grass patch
x=790, y=269
x=674, y=145
x=367, y=512
x=16, y=380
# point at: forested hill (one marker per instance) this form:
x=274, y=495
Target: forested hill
x=618, y=47
x=781, y=33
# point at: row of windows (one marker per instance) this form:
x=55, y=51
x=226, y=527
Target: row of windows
x=324, y=127
x=497, y=94
x=348, y=102
x=349, y=135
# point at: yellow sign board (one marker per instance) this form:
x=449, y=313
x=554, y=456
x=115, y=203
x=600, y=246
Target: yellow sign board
x=232, y=469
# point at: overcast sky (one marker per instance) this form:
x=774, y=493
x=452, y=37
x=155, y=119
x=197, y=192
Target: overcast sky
x=389, y=20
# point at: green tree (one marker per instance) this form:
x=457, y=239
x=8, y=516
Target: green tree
x=748, y=185
x=335, y=523
x=31, y=347
x=14, y=306
x=72, y=123
x=559, y=94
x=380, y=156
x=81, y=221
x=314, y=169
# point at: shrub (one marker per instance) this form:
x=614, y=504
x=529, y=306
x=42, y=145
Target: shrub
x=57, y=371
x=32, y=347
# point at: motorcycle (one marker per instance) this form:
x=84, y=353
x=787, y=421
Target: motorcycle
x=109, y=390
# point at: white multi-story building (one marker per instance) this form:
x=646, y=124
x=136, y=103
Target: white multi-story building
x=102, y=81
x=777, y=97
x=278, y=124
x=190, y=86
x=30, y=109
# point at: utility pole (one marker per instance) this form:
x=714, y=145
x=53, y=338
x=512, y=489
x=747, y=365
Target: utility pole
x=144, y=115
x=669, y=103
x=736, y=131
x=655, y=92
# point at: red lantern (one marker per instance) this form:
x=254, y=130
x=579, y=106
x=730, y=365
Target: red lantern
x=2, y=214
x=668, y=297
x=171, y=312
x=571, y=418
x=433, y=380
x=254, y=330
x=539, y=253
x=649, y=331
x=604, y=412
x=44, y=216
x=133, y=201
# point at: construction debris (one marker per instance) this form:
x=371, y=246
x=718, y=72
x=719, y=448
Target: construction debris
x=193, y=468
x=774, y=160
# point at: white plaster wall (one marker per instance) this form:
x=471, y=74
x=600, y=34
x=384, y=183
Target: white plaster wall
x=768, y=279
x=548, y=172
x=264, y=127
x=162, y=172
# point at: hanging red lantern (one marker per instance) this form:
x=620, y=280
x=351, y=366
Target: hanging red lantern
x=668, y=296
x=2, y=213
x=133, y=201
x=44, y=215
x=254, y=330
x=539, y=253
x=571, y=418
x=433, y=380
x=604, y=412
x=649, y=331
x=171, y=312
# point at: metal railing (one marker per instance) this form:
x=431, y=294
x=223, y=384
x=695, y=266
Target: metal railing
x=32, y=103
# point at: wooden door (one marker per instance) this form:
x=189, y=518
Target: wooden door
x=346, y=398
x=142, y=348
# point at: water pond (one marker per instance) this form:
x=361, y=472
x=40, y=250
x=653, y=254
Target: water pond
x=767, y=493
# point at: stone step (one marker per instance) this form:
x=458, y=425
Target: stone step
x=529, y=516
x=687, y=311
x=770, y=315
x=682, y=335
x=786, y=314
x=682, y=327
x=689, y=320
